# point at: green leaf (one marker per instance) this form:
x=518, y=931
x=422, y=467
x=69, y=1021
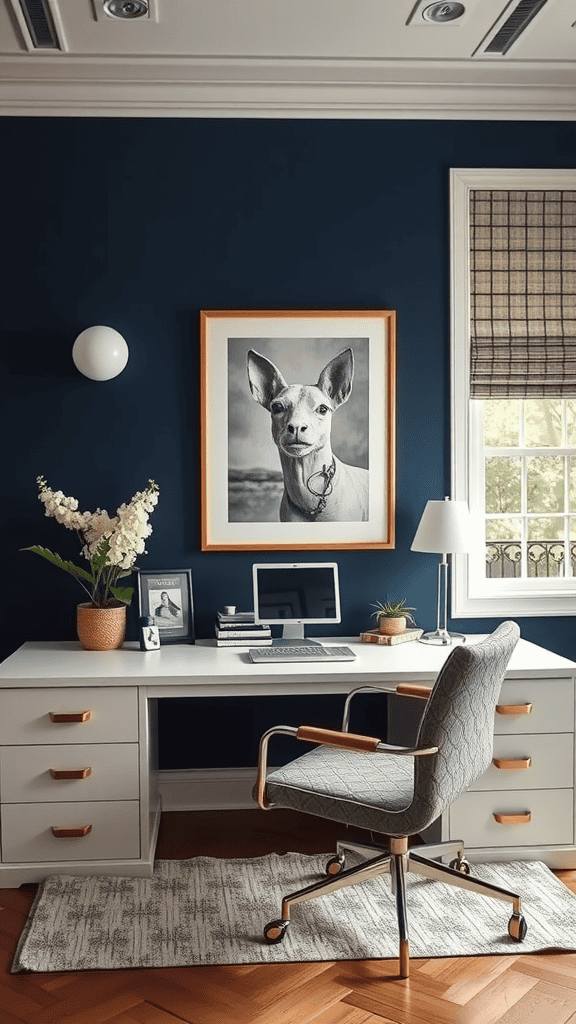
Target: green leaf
x=393, y=610
x=123, y=594
x=98, y=561
x=74, y=570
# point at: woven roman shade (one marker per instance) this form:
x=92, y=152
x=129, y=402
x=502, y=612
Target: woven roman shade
x=523, y=294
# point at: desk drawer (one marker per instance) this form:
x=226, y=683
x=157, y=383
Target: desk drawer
x=552, y=703
x=25, y=773
x=552, y=810
x=551, y=763
x=25, y=715
x=27, y=837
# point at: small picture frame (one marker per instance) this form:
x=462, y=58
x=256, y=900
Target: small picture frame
x=149, y=638
x=166, y=596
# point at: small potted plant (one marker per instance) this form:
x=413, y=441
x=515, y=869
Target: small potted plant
x=393, y=616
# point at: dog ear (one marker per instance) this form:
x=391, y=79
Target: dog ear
x=336, y=378
x=264, y=378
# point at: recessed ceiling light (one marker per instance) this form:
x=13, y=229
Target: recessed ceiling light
x=442, y=13
x=126, y=8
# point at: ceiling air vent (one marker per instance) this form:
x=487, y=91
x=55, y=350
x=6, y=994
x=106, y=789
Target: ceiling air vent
x=513, y=27
x=40, y=24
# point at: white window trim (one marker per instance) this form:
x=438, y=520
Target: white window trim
x=532, y=597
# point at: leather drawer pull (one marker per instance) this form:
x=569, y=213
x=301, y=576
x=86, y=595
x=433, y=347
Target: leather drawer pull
x=507, y=764
x=70, y=773
x=514, y=709
x=71, y=833
x=513, y=819
x=71, y=716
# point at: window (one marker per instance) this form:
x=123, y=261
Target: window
x=514, y=389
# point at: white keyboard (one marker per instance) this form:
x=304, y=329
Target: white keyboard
x=315, y=652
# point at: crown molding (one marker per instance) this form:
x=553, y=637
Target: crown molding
x=58, y=85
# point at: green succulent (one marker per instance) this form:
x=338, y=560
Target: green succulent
x=394, y=610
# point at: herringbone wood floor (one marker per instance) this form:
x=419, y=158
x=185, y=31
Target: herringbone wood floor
x=534, y=989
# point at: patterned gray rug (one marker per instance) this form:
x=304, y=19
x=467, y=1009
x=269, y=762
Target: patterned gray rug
x=209, y=911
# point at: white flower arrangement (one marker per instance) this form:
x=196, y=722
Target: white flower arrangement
x=111, y=544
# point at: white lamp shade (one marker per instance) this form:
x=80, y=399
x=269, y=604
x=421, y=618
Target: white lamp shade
x=445, y=527
x=100, y=353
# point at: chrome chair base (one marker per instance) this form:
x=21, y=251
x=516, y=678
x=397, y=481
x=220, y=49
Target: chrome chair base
x=396, y=862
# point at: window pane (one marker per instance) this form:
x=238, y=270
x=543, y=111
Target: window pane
x=546, y=528
x=545, y=483
x=503, y=550
x=545, y=547
x=503, y=484
x=543, y=422
x=503, y=529
x=501, y=423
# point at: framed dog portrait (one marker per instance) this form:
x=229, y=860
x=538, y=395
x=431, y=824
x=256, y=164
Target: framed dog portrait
x=297, y=429
x=166, y=596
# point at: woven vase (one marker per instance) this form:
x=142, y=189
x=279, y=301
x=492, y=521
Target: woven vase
x=392, y=626
x=100, y=629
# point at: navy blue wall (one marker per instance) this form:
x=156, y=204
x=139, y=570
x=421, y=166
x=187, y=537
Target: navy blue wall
x=141, y=223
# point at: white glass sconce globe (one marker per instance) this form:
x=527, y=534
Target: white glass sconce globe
x=100, y=353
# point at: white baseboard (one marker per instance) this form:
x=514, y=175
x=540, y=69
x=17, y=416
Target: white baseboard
x=207, y=789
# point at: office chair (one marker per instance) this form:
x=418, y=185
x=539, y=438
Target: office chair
x=399, y=791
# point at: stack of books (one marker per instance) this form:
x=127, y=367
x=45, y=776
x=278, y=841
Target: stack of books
x=373, y=636
x=240, y=630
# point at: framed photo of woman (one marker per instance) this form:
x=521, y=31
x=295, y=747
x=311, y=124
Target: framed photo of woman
x=165, y=595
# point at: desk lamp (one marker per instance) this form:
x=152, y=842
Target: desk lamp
x=445, y=528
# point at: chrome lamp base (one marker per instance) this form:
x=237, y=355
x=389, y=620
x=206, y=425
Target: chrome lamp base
x=441, y=636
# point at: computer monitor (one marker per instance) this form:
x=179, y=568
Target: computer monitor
x=295, y=595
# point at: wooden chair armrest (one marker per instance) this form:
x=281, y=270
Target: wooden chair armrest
x=354, y=741
x=414, y=690
x=348, y=740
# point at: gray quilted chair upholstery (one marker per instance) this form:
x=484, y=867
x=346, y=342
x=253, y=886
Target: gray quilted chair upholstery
x=400, y=796
x=459, y=720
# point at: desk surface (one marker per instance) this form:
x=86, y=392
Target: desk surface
x=204, y=669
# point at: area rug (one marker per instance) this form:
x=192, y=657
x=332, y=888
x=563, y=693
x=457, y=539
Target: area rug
x=212, y=911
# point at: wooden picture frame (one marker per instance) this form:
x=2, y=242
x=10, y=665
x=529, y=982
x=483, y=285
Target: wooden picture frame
x=249, y=358
x=166, y=596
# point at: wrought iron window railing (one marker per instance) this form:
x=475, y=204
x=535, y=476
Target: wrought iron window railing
x=545, y=558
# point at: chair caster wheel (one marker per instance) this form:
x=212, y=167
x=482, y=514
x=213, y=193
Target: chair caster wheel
x=335, y=865
x=275, y=931
x=517, y=927
x=460, y=864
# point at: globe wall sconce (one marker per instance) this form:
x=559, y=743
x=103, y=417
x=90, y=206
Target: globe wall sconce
x=100, y=353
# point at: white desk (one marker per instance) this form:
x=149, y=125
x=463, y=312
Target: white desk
x=119, y=799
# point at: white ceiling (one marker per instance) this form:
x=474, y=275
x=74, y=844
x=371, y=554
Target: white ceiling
x=290, y=58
